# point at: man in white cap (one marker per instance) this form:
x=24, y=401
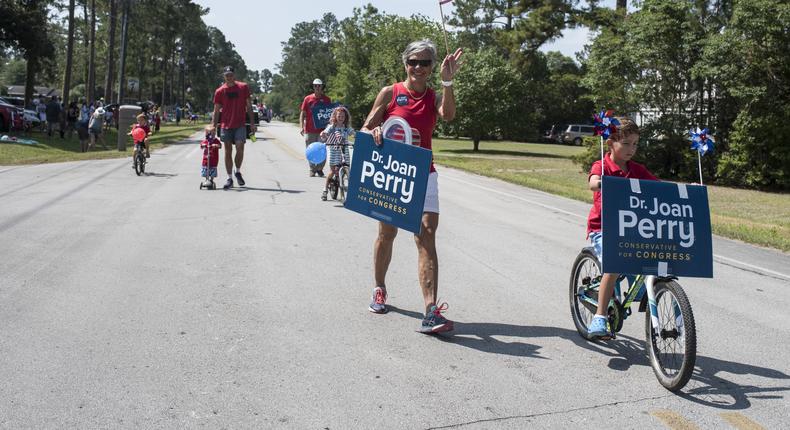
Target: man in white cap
x=310, y=132
x=233, y=97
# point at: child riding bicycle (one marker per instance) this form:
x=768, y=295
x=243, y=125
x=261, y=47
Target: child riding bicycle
x=336, y=135
x=142, y=123
x=617, y=162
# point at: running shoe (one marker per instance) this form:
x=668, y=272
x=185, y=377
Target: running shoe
x=323, y=195
x=378, y=305
x=228, y=184
x=597, y=327
x=312, y=173
x=435, y=322
x=240, y=179
x=320, y=173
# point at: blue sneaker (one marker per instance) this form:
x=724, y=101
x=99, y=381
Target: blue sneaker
x=435, y=322
x=597, y=327
x=378, y=305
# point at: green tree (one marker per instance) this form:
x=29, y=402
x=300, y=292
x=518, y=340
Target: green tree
x=750, y=63
x=17, y=18
x=483, y=116
x=307, y=55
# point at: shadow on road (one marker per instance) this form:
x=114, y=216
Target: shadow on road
x=707, y=387
x=160, y=175
x=274, y=190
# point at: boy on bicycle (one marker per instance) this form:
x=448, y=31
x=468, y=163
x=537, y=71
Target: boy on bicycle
x=617, y=162
x=336, y=133
x=142, y=122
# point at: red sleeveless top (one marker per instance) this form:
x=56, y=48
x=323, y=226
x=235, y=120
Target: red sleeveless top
x=419, y=112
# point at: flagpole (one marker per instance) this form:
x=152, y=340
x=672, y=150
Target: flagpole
x=446, y=45
x=699, y=163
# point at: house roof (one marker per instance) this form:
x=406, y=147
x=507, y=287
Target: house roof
x=38, y=91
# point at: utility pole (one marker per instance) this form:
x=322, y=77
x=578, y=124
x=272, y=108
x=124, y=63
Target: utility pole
x=122, y=66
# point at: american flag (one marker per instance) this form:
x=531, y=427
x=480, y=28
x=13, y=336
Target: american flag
x=397, y=133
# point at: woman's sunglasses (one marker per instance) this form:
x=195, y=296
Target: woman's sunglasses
x=422, y=63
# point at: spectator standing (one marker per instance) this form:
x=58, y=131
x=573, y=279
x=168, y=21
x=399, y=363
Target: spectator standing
x=52, y=112
x=41, y=110
x=72, y=115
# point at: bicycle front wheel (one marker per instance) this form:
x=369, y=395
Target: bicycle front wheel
x=138, y=164
x=586, y=270
x=673, y=345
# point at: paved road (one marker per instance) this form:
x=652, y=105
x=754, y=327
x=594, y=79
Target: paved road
x=142, y=302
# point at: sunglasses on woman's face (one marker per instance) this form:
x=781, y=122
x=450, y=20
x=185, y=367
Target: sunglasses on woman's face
x=422, y=63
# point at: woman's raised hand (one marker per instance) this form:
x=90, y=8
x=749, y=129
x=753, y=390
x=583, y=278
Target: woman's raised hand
x=451, y=64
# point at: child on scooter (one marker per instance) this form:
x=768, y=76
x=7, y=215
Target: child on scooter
x=210, y=146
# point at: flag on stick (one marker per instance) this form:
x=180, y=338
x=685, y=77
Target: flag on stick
x=444, y=30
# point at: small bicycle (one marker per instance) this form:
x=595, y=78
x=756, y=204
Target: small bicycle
x=338, y=185
x=670, y=332
x=138, y=161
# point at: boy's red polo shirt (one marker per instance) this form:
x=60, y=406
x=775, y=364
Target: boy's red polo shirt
x=635, y=171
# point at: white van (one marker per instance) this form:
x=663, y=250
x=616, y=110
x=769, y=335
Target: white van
x=575, y=133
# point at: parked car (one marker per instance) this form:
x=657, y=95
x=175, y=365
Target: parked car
x=29, y=116
x=12, y=117
x=575, y=133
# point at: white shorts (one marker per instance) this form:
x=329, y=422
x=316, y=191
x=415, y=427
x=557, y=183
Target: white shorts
x=432, y=194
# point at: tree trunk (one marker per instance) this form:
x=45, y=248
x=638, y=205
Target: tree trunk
x=140, y=71
x=109, y=81
x=622, y=5
x=92, y=59
x=86, y=44
x=69, y=55
x=30, y=77
x=476, y=142
x=122, y=66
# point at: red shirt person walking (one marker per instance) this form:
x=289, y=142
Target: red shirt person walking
x=233, y=99
x=309, y=130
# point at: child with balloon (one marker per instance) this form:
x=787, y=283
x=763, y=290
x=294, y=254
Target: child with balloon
x=140, y=133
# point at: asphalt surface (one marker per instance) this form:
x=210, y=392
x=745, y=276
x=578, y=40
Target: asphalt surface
x=144, y=302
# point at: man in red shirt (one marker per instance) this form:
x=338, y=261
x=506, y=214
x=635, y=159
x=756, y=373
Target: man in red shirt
x=233, y=98
x=310, y=132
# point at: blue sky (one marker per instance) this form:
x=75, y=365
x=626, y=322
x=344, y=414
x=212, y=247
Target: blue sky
x=257, y=27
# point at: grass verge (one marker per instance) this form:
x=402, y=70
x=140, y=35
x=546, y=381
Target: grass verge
x=55, y=149
x=755, y=217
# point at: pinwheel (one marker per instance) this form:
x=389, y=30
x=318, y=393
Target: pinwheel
x=702, y=143
x=605, y=124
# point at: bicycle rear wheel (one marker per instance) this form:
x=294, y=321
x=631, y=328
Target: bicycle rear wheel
x=673, y=347
x=585, y=270
x=343, y=184
x=139, y=159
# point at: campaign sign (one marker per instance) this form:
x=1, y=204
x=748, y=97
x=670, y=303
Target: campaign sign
x=388, y=182
x=656, y=228
x=321, y=114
